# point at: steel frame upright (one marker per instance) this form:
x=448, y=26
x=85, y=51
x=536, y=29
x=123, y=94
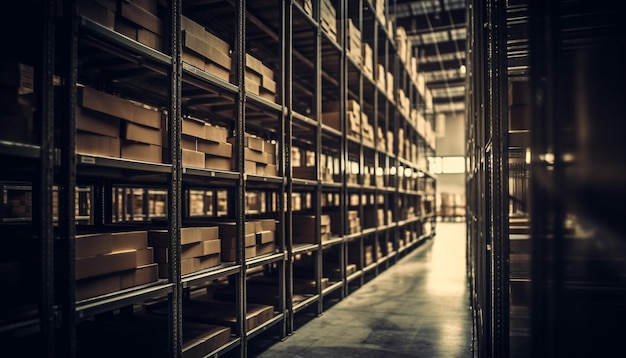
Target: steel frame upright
x=318, y=145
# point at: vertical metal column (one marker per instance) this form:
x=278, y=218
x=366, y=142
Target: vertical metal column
x=43, y=187
x=175, y=179
x=286, y=279
x=318, y=147
x=64, y=283
x=287, y=87
x=498, y=130
x=240, y=191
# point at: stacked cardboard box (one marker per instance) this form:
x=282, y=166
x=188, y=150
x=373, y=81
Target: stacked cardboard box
x=200, y=249
x=353, y=223
x=421, y=84
x=380, y=11
x=353, y=41
x=428, y=98
x=205, y=145
x=333, y=270
x=228, y=236
x=368, y=61
x=139, y=20
x=519, y=99
x=259, y=155
x=304, y=286
x=258, y=77
x=329, y=19
x=265, y=236
x=204, y=50
x=100, y=11
x=367, y=130
x=17, y=102
x=389, y=84
x=109, y=262
x=304, y=229
x=111, y=126
x=404, y=103
x=331, y=117
x=203, y=308
x=381, y=143
x=401, y=140
x=381, y=77
x=369, y=255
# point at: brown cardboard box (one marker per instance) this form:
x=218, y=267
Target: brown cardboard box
x=230, y=242
x=209, y=233
x=267, y=169
x=95, y=144
x=97, y=286
x=188, y=251
x=140, y=276
x=98, y=123
x=129, y=240
x=332, y=119
x=103, y=102
x=215, y=133
x=141, y=151
x=126, y=28
x=93, y=244
x=207, y=261
x=217, y=70
x=145, y=256
x=141, y=17
x=191, y=26
x=265, y=237
x=229, y=229
x=211, y=247
x=224, y=150
x=189, y=143
x=188, y=235
x=203, y=48
x=142, y=134
x=193, y=127
x=305, y=172
x=217, y=163
x=97, y=12
x=229, y=254
x=192, y=158
x=200, y=339
x=267, y=248
x=249, y=167
x=150, y=39
x=148, y=5
x=268, y=224
x=193, y=59
x=103, y=264
x=145, y=115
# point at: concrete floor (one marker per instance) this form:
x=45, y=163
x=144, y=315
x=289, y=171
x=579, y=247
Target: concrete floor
x=417, y=308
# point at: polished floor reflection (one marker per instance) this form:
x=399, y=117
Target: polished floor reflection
x=417, y=308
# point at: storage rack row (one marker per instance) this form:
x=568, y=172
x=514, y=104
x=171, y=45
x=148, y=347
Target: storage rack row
x=540, y=261
x=183, y=176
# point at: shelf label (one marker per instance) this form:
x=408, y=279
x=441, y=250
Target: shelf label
x=87, y=160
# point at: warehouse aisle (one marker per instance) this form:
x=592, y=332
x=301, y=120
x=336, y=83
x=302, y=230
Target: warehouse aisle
x=417, y=308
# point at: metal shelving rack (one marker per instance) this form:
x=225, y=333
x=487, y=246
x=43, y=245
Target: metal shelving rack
x=311, y=69
x=543, y=280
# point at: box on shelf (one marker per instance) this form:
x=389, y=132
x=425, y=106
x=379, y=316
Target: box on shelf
x=141, y=151
x=191, y=158
x=102, y=12
x=218, y=163
x=95, y=144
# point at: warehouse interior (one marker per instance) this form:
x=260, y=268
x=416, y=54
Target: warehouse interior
x=205, y=178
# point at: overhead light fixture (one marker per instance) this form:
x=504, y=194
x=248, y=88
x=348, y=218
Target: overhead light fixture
x=462, y=69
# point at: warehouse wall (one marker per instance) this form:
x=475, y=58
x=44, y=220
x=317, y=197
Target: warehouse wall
x=451, y=142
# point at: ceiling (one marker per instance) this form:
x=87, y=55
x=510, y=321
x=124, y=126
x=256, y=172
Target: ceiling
x=437, y=28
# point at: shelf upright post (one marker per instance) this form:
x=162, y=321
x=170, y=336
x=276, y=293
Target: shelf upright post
x=286, y=208
x=64, y=276
x=175, y=180
x=498, y=123
x=318, y=145
x=42, y=218
x=240, y=191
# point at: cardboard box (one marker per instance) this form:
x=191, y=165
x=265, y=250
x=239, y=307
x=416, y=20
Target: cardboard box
x=268, y=224
x=188, y=251
x=198, y=45
x=249, y=167
x=103, y=264
x=97, y=123
x=211, y=247
x=215, y=134
x=189, y=143
x=141, y=151
x=95, y=144
x=207, y=261
x=193, y=127
x=140, y=276
x=191, y=26
x=141, y=17
x=265, y=237
x=231, y=242
x=104, y=103
x=142, y=134
x=192, y=158
x=229, y=228
x=145, y=115
x=126, y=28
x=266, y=169
x=217, y=70
x=145, y=256
x=97, y=286
x=193, y=59
x=208, y=232
x=224, y=150
x=93, y=244
x=218, y=163
x=150, y=39
x=97, y=12
x=229, y=254
x=129, y=240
